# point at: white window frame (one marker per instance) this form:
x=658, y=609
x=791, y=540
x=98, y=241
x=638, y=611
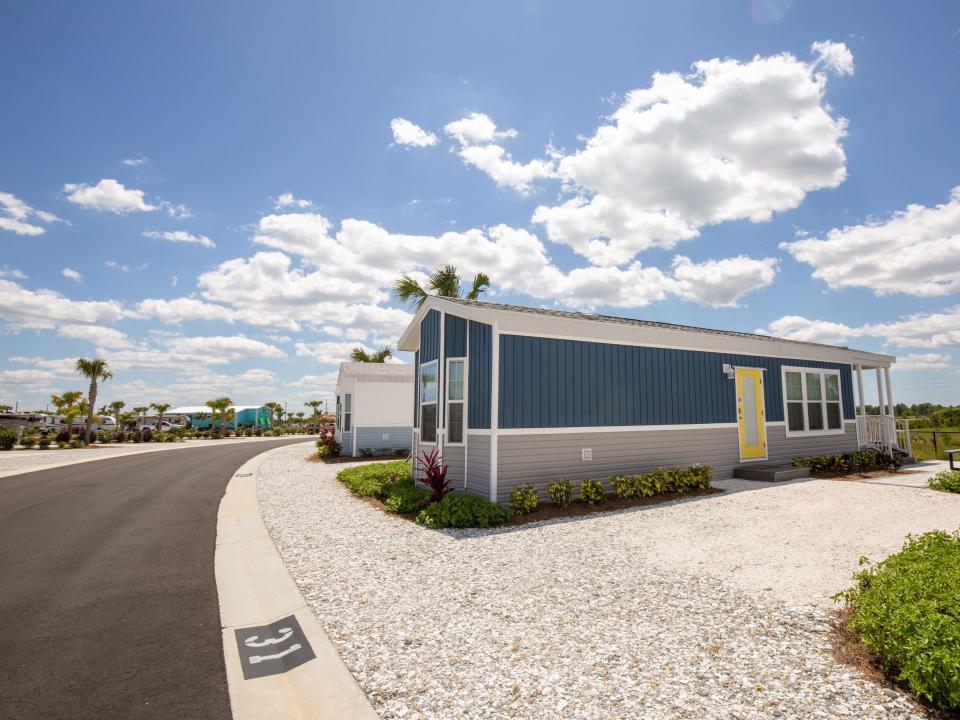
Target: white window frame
x=823, y=372
x=421, y=404
x=449, y=402
x=347, y=412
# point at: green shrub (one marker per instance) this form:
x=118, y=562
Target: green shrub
x=61, y=444
x=376, y=479
x=76, y=443
x=907, y=611
x=366, y=452
x=561, y=492
x=661, y=480
x=947, y=481
x=860, y=461
x=523, y=499
x=28, y=440
x=44, y=442
x=405, y=498
x=8, y=438
x=462, y=511
x=591, y=492
x=400, y=452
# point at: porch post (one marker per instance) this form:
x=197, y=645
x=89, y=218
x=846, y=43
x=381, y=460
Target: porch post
x=886, y=373
x=863, y=407
x=883, y=409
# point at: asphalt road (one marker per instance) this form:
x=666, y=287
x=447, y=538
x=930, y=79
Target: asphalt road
x=108, y=603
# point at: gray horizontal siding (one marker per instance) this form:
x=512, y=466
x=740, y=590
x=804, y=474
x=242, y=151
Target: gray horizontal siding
x=453, y=458
x=478, y=465
x=781, y=447
x=543, y=458
x=346, y=443
x=546, y=382
x=400, y=438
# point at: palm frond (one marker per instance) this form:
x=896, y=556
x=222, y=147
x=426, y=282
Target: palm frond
x=480, y=284
x=445, y=282
x=408, y=290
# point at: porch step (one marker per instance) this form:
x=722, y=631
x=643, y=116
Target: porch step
x=770, y=472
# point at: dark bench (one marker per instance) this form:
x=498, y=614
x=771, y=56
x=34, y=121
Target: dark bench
x=950, y=454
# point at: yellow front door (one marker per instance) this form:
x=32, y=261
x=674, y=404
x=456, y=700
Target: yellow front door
x=750, y=417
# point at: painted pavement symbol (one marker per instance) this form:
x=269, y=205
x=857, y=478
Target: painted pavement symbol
x=273, y=649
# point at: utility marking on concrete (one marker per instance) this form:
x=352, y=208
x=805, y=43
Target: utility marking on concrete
x=243, y=475
x=257, y=662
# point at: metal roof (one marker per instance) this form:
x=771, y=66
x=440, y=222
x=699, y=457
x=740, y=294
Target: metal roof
x=393, y=369
x=194, y=409
x=592, y=317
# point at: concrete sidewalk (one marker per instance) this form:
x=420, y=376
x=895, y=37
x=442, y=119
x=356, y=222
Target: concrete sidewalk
x=16, y=462
x=256, y=590
x=915, y=475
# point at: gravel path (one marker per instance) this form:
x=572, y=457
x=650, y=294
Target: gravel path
x=557, y=620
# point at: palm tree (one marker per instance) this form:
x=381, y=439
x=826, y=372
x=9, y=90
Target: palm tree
x=300, y=420
x=201, y=416
x=358, y=354
x=140, y=411
x=314, y=404
x=115, y=408
x=65, y=401
x=277, y=409
x=221, y=405
x=95, y=370
x=445, y=282
x=161, y=408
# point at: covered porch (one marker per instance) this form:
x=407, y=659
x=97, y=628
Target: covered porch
x=883, y=431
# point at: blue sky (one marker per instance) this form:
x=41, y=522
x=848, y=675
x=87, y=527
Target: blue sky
x=215, y=196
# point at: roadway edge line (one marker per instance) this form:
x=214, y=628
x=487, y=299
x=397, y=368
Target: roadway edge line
x=254, y=589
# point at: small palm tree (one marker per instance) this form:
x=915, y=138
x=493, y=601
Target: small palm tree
x=116, y=407
x=140, y=411
x=358, y=354
x=161, y=408
x=221, y=405
x=314, y=404
x=95, y=370
x=445, y=282
x=277, y=409
x=200, y=416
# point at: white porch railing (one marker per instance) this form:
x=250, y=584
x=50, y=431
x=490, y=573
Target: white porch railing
x=883, y=433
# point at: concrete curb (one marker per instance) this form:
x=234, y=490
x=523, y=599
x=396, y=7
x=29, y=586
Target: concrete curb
x=255, y=589
x=161, y=447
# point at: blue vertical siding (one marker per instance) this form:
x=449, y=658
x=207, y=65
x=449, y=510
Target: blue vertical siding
x=546, y=382
x=454, y=336
x=430, y=336
x=479, y=375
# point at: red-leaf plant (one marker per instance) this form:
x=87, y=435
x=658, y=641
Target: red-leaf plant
x=434, y=475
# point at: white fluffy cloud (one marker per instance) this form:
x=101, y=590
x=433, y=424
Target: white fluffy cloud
x=327, y=352
x=796, y=327
x=101, y=337
x=14, y=214
x=71, y=274
x=181, y=236
x=135, y=161
x=923, y=361
x=730, y=141
x=916, y=251
x=834, y=55
x=476, y=134
x=173, y=312
x=919, y=330
x=223, y=349
x=366, y=259
x=23, y=308
x=287, y=199
x=411, y=134
x=108, y=195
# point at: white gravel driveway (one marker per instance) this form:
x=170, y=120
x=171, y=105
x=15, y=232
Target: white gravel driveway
x=609, y=616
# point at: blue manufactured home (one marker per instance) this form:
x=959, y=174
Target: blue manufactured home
x=512, y=394
x=200, y=416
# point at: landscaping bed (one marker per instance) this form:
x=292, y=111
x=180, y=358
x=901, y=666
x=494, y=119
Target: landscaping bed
x=902, y=619
x=339, y=459
x=672, y=612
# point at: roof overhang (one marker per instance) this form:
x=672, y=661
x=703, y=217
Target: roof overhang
x=518, y=322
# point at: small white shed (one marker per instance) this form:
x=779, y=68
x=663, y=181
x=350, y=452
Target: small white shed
x=375, y=407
